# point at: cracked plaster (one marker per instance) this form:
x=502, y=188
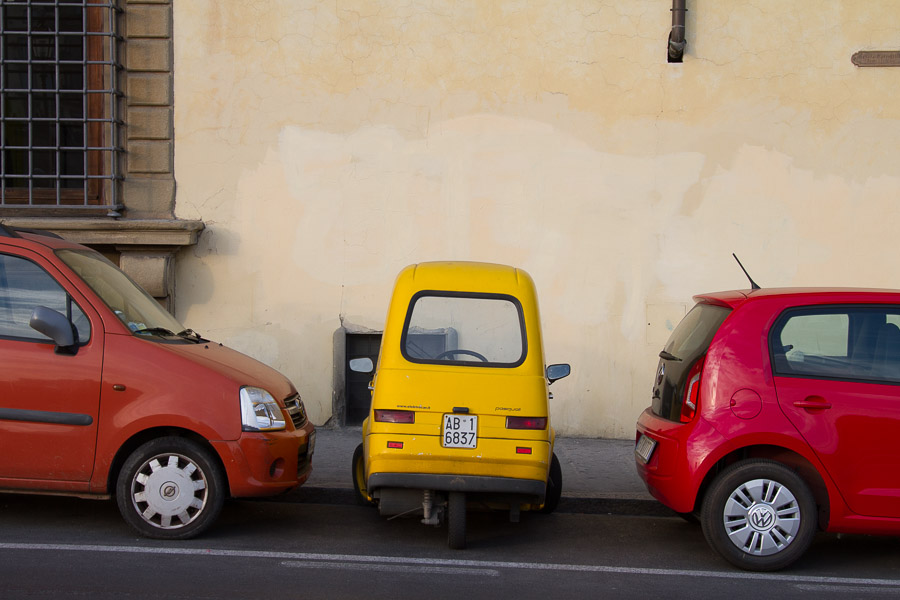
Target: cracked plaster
x=327, y=145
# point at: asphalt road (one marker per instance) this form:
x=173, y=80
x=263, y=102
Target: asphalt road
x=70, y=548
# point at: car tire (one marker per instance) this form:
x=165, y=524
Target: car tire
x=456, y=520
x=759, y=515
x=358, y=473
x=170, y=488
x=554, y=486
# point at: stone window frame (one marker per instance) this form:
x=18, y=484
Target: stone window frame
x=145, y=236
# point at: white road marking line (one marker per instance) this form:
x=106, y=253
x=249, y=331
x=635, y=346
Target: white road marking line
x=391, y=568
x=446, y=562
x=847, y=589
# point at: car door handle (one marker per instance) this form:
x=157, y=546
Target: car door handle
x=813, y=403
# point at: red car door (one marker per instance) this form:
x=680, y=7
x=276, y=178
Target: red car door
x=49, y=400
x=837, y=376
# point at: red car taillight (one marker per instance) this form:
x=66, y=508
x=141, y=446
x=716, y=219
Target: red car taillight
x=526, y=422
x=395, y=416
x=692, y=392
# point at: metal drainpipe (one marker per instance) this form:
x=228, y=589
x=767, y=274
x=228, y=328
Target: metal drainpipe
x=676, y=35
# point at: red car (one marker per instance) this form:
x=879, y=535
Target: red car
x=773, y=414
x=105, y=393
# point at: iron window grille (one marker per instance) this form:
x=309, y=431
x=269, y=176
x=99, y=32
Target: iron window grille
x=59, y=96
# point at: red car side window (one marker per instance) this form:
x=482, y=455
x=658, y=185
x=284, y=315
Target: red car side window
x=853, y=343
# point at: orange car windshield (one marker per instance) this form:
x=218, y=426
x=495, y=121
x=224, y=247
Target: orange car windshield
x=131, y=304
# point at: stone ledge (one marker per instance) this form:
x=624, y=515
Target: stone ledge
x=121, y=232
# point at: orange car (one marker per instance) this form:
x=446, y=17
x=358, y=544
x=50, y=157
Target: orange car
x=105, y=393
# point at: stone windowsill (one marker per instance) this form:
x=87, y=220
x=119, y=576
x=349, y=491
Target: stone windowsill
x=119, y=232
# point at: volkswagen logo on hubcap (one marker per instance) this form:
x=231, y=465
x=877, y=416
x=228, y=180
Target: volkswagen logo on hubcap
x=761, y=517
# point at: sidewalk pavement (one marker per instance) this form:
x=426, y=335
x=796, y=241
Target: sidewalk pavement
x=599, y=475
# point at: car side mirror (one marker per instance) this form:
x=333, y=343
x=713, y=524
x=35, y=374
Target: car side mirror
x=556, y=372
x=55, y=326
x=361, y=365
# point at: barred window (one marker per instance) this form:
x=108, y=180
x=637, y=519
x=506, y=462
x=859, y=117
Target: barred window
x=58, y=126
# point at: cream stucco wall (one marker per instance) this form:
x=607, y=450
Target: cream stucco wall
x=326, y=145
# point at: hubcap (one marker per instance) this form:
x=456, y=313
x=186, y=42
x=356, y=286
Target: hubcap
x=761, y=517
x=169, y=491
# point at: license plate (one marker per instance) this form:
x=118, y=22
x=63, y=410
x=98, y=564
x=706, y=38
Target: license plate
x=460, y=431
x=645, y=447
x=311, y=443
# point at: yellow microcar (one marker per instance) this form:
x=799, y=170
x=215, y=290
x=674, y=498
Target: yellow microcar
x=459, y=399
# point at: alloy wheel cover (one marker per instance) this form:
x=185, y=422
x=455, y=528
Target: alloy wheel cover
x=761, y=517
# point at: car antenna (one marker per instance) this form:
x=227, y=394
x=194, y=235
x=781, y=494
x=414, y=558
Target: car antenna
x=753, y=285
